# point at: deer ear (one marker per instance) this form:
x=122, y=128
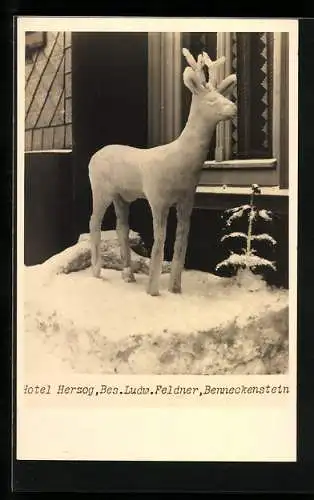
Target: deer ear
x=191, y=80
x=227, y=85
x=189, y=58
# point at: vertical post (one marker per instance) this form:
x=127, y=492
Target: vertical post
x=164, y=87
x=277, y=89
x=284, y=115
x=224, y=131
x=244, y=97
x=154, y=88
x=177, y=84
x=281, y=106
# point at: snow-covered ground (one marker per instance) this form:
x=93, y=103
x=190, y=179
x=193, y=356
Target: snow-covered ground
x=77, y=323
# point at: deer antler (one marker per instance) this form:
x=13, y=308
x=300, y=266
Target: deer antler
x=212, y=69
x=204, y=60
x=197, y=66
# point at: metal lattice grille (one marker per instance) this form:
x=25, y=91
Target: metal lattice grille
x=253, y=62
x=234, y=121
x=48, y=95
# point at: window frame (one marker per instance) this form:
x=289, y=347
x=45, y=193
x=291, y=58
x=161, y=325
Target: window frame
x=164, y=112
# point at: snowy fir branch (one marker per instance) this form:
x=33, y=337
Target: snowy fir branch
x=249, y=258
x=265, y=214
x=246, y=261
x=236, y=234
x=237, y=209
x=264, y=237
x=237, y=214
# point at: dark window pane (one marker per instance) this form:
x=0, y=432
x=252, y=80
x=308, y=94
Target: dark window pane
x=254, y=70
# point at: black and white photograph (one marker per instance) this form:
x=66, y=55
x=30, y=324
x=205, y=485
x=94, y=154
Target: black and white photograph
x=158, y=179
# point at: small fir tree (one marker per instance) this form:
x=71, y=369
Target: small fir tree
x=247, y=261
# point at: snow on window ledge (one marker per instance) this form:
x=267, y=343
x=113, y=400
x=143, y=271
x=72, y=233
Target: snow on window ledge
x=267, y=190
x=34, y=151
x=241, y=164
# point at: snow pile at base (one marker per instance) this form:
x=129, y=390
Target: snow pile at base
x=77, y=323
x=78, y=256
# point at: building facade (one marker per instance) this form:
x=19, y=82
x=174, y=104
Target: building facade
x=86, y=90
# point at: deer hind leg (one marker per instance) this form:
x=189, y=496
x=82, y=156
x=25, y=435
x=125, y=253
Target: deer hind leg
x=160, y=227
x=184, y=209
x=122, y=209
x=101, y=202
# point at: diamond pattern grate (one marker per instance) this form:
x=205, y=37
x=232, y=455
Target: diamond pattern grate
x=48, y=101
x=252, y=59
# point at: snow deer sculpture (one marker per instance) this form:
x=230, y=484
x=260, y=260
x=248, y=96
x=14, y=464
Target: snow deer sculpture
x=165, y=175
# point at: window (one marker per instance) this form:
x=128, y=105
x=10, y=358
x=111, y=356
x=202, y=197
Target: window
x=48, y=101
x=35, y=40
x=253, y=147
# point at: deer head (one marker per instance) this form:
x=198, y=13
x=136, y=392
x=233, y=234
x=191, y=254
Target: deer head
x=212, y=100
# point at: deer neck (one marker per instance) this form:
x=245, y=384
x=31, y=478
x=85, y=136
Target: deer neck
x=197, y=133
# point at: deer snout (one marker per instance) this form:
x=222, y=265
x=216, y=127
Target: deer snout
x=230, y=110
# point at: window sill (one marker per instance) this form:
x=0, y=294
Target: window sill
x=220, y=198
x=240, y=173
x=50, y=151
x=269, y=163
x=237, y=190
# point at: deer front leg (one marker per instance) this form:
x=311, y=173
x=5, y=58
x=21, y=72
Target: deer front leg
x=100, y=205
x=184, y=209
x=122, y=212
x=160, y=227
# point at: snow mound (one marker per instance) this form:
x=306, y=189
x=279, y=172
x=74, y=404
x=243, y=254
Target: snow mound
x=76, y=323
